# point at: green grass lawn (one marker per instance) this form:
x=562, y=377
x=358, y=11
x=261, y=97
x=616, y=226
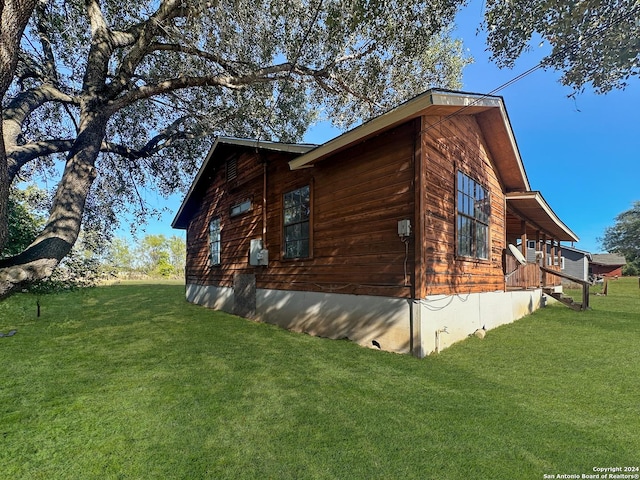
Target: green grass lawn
x=130, y=381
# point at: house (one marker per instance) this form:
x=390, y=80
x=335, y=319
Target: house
x=607, y=265
x=393, y=234
x=574, y=262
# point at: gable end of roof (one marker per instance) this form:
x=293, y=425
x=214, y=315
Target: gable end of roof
x=182, y=218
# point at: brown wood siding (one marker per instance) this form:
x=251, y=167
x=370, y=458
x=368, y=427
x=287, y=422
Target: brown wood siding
x=358, y=196
x=236, y=232
x=448, y=146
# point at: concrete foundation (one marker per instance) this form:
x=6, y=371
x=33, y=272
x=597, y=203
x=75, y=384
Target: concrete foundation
x=397, y=325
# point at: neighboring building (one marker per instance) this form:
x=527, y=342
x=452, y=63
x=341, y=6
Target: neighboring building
x=606, y=265
x=572, y=261
x=393, y=235
x=576, y=262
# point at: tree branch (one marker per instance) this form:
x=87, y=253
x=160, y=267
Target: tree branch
x=262, y=75
x=174, y=47
x=166, y=138
x=171, y=85
x=24, y=154
x=21, y=106
x=49, y=59
x=144, y=34
x=351, y=91
x=101, y=49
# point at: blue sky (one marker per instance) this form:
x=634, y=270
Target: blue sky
x=581, y=153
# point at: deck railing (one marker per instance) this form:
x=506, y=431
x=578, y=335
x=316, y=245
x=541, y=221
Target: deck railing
x=585, y=289
x=530, y=275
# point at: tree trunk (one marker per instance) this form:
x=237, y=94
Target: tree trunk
x=4, y=191
x=63, y=226
x=14, y=15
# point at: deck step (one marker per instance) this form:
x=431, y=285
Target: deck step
x=568, y=301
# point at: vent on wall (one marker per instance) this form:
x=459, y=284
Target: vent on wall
x=232, y=168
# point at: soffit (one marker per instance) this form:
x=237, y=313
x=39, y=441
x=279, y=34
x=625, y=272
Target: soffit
x=532, y=207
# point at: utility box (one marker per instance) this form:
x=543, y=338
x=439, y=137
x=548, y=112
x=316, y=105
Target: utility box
x=258, y=255
x=404, y=228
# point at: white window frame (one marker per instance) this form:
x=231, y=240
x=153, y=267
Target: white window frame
x=215, y=245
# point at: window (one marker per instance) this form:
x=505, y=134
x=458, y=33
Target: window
x=474, y=210
x=553, y=261
x=531, y=244
x=297, y=207
x=240, y=208
x=214, y=241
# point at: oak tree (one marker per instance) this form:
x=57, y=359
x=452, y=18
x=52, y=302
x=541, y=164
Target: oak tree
x=14, y=15
x=122, y=93
x=593, y=42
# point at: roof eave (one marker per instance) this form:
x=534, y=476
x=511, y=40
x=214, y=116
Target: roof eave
x=176, y=223
x=446, y=102
x=569, y=235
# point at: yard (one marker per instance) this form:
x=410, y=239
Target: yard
x=130, y=381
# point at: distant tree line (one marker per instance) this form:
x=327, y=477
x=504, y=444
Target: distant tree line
x=153, y=255
x=624, y=238
x=94, y=257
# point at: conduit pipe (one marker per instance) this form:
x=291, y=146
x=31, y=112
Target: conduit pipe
x=438, y=333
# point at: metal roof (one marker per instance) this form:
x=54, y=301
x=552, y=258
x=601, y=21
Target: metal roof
x=263, y=145
x=608, y=259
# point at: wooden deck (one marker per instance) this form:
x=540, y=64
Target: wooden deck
x=531, y=275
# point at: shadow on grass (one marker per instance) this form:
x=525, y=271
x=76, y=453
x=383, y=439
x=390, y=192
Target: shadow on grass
x=133, y=381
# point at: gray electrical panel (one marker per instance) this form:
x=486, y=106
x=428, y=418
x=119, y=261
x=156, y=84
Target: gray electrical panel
x=257, y=254
x=404, y=228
